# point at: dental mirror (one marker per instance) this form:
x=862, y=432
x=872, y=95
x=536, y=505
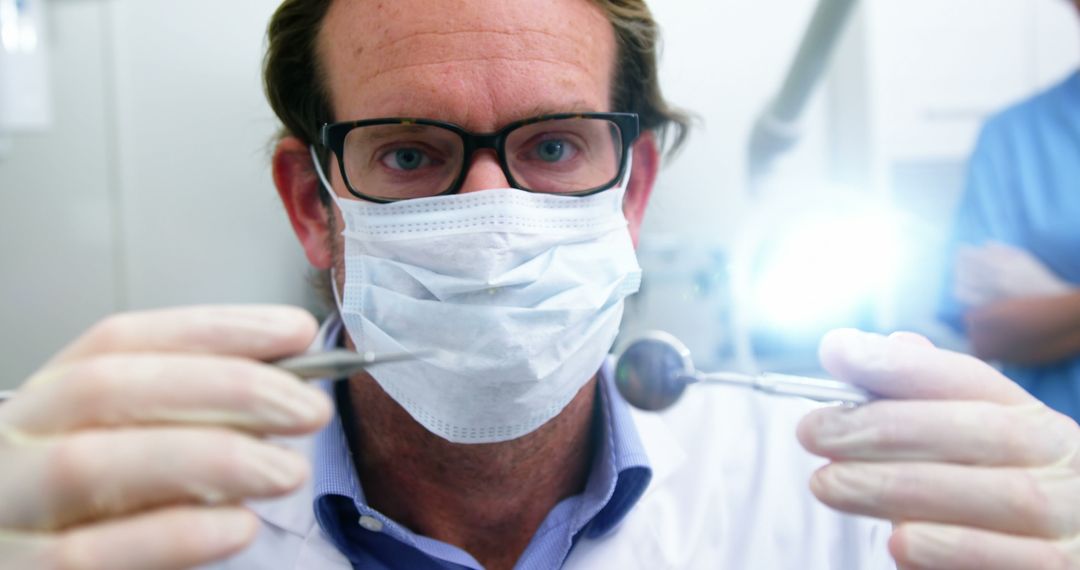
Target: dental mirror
x=653, y=372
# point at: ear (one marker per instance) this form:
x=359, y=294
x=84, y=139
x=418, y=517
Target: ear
x=642, y=178
x=299, y=187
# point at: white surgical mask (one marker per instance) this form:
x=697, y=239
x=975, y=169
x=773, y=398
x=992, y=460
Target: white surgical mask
x=521, y=293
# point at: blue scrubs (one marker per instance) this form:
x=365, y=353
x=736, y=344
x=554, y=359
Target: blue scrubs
x=1024, y=190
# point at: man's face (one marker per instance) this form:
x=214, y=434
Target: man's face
x=478, y=63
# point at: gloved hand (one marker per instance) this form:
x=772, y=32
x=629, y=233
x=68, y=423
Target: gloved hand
x=996, y=272
x=133, y=446
x=973, y=471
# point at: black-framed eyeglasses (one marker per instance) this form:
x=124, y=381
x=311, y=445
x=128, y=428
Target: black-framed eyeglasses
x=385, y=160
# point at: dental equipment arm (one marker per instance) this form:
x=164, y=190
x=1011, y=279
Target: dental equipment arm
x=776, y=129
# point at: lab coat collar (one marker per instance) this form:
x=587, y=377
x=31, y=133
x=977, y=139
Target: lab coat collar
x=666, y=455
x=292, y=513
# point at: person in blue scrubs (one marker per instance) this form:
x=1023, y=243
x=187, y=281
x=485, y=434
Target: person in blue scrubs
x=1014, y=287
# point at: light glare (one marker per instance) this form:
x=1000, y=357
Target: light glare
x=822, y=271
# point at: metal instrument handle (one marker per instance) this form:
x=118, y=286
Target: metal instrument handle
x=817, y=389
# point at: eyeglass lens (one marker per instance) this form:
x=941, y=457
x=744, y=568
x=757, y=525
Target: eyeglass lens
x=560, y=156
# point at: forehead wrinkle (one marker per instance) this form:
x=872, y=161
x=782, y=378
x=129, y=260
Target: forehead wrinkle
x=484, y=59
x=463, y=46
x=447, y=33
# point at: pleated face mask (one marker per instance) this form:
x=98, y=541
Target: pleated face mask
x=521, y=294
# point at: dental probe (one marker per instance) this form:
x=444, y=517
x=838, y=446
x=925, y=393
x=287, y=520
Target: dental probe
x=654, y=370
x=342, y=363
x=329, y=364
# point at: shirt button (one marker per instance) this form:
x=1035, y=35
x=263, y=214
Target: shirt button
x=371, y=523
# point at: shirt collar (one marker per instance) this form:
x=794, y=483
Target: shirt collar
x=621, y=471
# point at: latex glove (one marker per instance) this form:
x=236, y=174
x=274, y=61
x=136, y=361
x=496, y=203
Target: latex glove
x=996, y=272
x=973, y=471
x=132, y=447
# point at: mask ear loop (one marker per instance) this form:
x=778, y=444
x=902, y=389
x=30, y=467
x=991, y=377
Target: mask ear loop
x=338, y=299
x=629, y=169
x=625, y=182
x=322, y=175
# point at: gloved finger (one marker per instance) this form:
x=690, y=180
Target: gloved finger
x=978, y=274
x=975, y=258
x=168, y=539
x=970, y=433
x=966, y=288
x=1029, y=502
x=968, y=251
x=900, y=370
x=970, y=296
x=132, y=389
x=261, y=332
x=1000, y=250
x=927, y=546
x=979, y=289
x=55, y=483
x=911, y=338
x=973, y=276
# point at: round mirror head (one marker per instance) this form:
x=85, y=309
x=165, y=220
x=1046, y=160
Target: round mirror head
x=653, y=371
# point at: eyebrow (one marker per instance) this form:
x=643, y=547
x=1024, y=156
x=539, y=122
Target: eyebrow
x=579, y=106
x=539, y=110
x=378, y=135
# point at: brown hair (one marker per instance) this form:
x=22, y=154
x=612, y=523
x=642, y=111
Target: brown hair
x=294, y=86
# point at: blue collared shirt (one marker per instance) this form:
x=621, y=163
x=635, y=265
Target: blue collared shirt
x=370, y=540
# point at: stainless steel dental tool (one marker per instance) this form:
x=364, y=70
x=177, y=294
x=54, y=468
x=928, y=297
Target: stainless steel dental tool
x=653, y=372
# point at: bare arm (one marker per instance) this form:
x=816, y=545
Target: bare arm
x=1031, y=330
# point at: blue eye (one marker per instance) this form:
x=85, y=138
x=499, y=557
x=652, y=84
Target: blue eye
x=408, y=158
x=551, y=150
x=554, y=151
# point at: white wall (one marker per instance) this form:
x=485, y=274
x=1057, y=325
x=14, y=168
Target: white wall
x=57, y=223
x=940, y=68
x=152, y=187
x=201, y=220
x=722, y=59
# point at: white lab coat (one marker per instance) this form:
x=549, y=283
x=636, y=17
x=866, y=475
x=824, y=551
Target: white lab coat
x=729, y=491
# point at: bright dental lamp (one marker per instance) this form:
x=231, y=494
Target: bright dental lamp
x=810, y=261
x=817, y=271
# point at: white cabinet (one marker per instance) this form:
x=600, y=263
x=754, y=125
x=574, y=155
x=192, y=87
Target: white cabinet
x=925, y=74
